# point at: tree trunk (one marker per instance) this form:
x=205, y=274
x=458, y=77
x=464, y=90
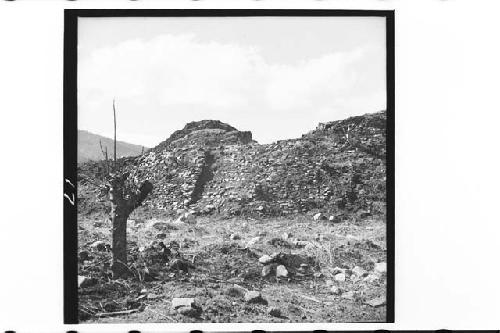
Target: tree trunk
x=119, y=219
x=121, y=207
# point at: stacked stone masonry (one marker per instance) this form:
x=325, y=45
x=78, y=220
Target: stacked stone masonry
x=211, y=168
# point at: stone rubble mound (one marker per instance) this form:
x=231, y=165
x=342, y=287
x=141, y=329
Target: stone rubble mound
x=209, y=167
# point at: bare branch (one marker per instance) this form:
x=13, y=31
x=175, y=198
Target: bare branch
x=137, y=199
x=105, y=155
x=114, y=139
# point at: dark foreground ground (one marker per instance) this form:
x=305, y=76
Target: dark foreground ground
x=335, y=271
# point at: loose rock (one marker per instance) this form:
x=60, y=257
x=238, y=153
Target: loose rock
x=84, y=255
x=358, y=271
x=335, y=290
x=84, y=281
x=340, y=277
x=186, y=306
x=304, y=267
x=337, y=270
x=268, y=269
x=348, y=295
x=376, y=302
x=253, y=241
x=265, y=259
x=371, y=278
x=98, y=245
x=189, y=311
x=153, y=296
x=255, y=297
x=180, y=264
x=161, y=235
x=274, y=311
x=318, y=216
x=235, y=292
x=281, y=271
x=381, y=267
x=179, y=301
x=234, y=237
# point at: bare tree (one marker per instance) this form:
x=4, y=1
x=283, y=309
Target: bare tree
x=124, y=199
x=125, y=196
x=114, y=138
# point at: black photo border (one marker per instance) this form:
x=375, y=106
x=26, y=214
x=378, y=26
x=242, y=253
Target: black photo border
x=70, y=125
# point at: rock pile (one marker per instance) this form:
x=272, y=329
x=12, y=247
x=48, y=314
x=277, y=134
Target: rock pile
x=210, y=167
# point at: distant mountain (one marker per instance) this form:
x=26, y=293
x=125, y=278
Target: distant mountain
x=90, y=150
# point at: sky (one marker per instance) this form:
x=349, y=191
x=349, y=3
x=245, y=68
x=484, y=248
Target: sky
x=277, y=77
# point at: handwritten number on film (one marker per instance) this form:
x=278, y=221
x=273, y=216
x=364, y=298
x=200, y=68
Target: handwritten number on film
x=72, y=198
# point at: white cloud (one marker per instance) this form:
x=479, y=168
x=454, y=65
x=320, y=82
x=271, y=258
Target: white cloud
x=162, y=83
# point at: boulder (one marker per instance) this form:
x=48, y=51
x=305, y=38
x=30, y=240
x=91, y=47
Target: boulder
x=187, y=217
x=253, y=241
x=300, y=243
x=99, y=246
x=371, y=278
x=359, y=272
x=181, y=265
x=84, y=255
x=153, y=296
x=337, y=270
x=180, y=301
x=334, y=219
x=160, y=225
x=161, y=235
x=265, y=259
x=274, y=311
x=281, y=271
x=381, y=267
x=335, y=290
x=84, y=281
x=186, y=307
x=376, y=302
x=235, y=292
x=255, y=297
x=303, y=267
x=268, y=270
x=340, y=277
x=189, y=311
x=318, y=216
x=349, y=295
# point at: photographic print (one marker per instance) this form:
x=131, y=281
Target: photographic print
x=229, y=166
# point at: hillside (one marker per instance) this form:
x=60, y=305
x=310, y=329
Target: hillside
x=210, y=167
x=89, y=149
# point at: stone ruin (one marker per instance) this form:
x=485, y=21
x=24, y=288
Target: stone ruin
x=209, y=167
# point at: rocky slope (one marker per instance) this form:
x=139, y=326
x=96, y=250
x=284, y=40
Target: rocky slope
x=210, y=167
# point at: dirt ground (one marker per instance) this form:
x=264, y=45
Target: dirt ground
x=216, y=262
